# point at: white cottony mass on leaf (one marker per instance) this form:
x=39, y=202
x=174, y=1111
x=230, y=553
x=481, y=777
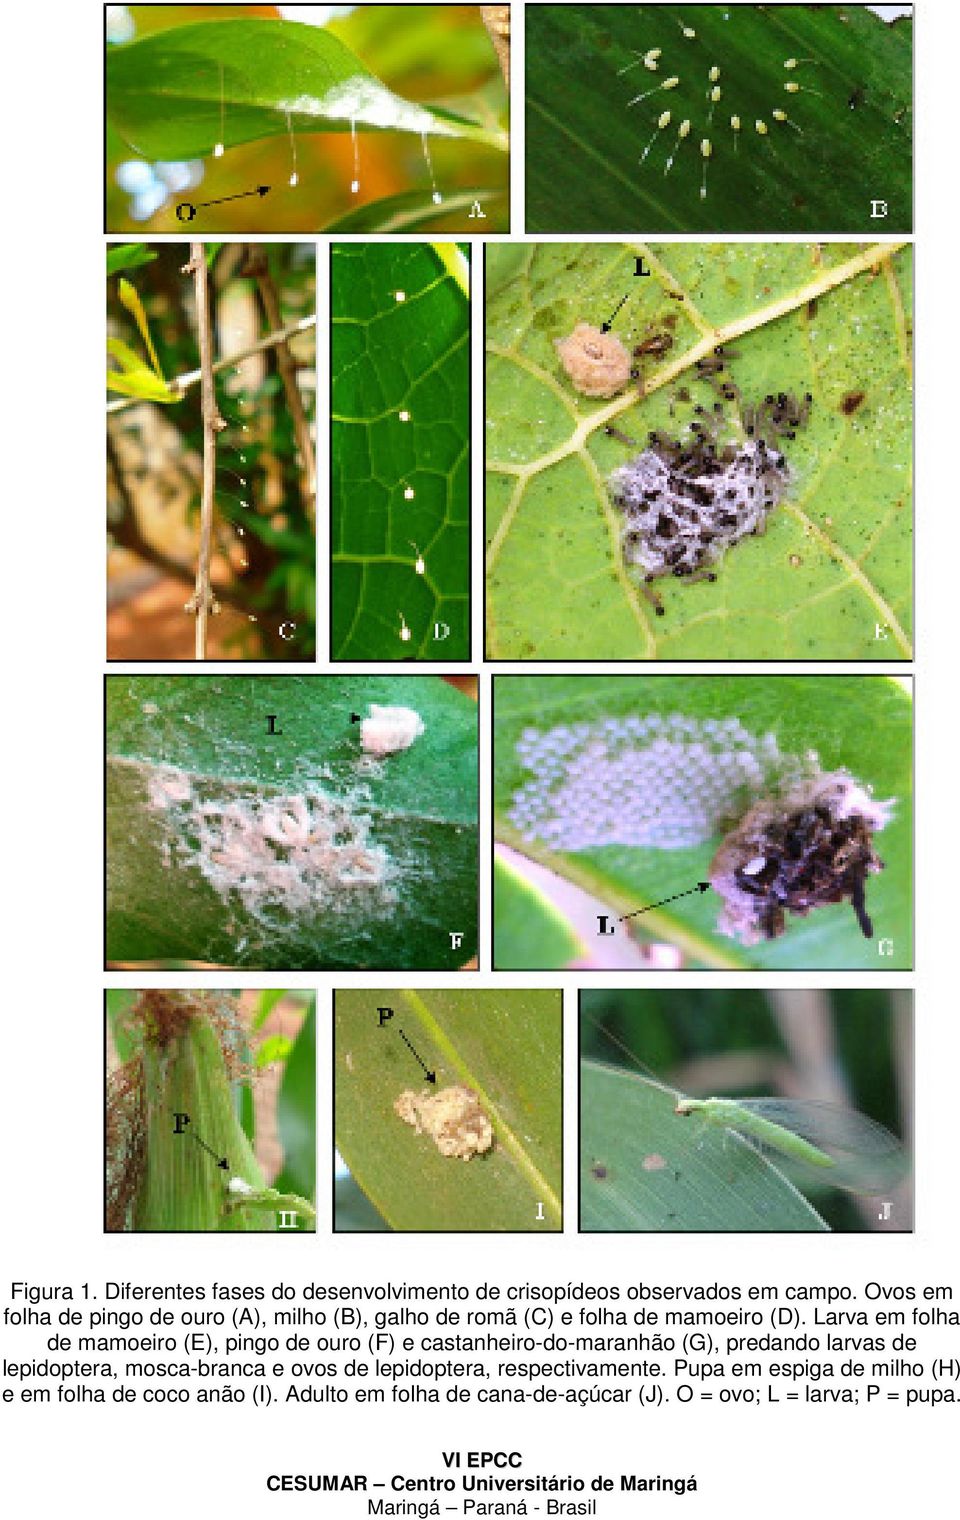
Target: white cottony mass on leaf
x=388, y=729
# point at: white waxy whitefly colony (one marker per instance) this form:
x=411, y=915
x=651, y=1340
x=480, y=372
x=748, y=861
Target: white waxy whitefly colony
x=663, y=781
x=676, y=522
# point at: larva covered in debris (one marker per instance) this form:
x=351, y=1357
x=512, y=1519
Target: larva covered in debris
x=794, y=836
x=596, y=362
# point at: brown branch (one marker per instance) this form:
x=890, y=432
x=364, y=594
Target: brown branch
x=127, y=534
x=257, y=266
x=203, y=602
x=496, y=19
x=183, y=383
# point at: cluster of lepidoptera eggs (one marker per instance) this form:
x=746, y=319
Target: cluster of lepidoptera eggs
x=664, y=782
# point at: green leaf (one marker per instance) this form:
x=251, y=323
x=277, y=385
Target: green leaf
x=642, y=1167
x=178, y=93
x=391, y=356
x=506, y=1046
x=119, y=1002
x=446, y=43
x=861, y=723
x=128, y=256
x=134, y=378
x=183, y=1188
x=296, y=1116
x=527, y=928
x=411, y=210
x=850, y=143
x=131, y=301
x=181, y=750
x=266, y=1003
x=832, y=576
x=353, y=1210
x=276, y=1047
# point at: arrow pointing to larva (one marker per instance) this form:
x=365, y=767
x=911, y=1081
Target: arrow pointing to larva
x=187, y=210
x=606, y=326
x=702, y=886
x=220, y=1160
x=431, y=1076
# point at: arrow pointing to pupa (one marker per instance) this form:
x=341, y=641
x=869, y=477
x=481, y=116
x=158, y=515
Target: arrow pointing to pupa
x=431, y=1076
x=702, y=886
x=220, y=1160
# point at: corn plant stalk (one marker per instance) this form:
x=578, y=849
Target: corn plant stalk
x=198, y=1171
x=276, y=1203
x=184, y=1187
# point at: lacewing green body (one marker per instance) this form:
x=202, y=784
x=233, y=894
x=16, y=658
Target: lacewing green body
x=842, y=1146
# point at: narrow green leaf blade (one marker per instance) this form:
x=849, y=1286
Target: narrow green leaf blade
x=642, y=1167
x=134, y=377
x=850, y=142
x=128, y=256
x=506, y=1046
x=130, y=299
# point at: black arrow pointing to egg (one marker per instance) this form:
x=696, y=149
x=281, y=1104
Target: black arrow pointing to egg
x=187, y=210
x=431, y=1076
x=702, y=886
x=606, y=326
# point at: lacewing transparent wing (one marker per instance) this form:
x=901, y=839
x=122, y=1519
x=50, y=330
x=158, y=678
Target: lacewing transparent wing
x=840, y=1145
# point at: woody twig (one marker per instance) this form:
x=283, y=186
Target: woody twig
x=202, y=603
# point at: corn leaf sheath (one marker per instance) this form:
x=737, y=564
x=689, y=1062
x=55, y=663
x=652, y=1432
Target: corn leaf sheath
x=183, y=1188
